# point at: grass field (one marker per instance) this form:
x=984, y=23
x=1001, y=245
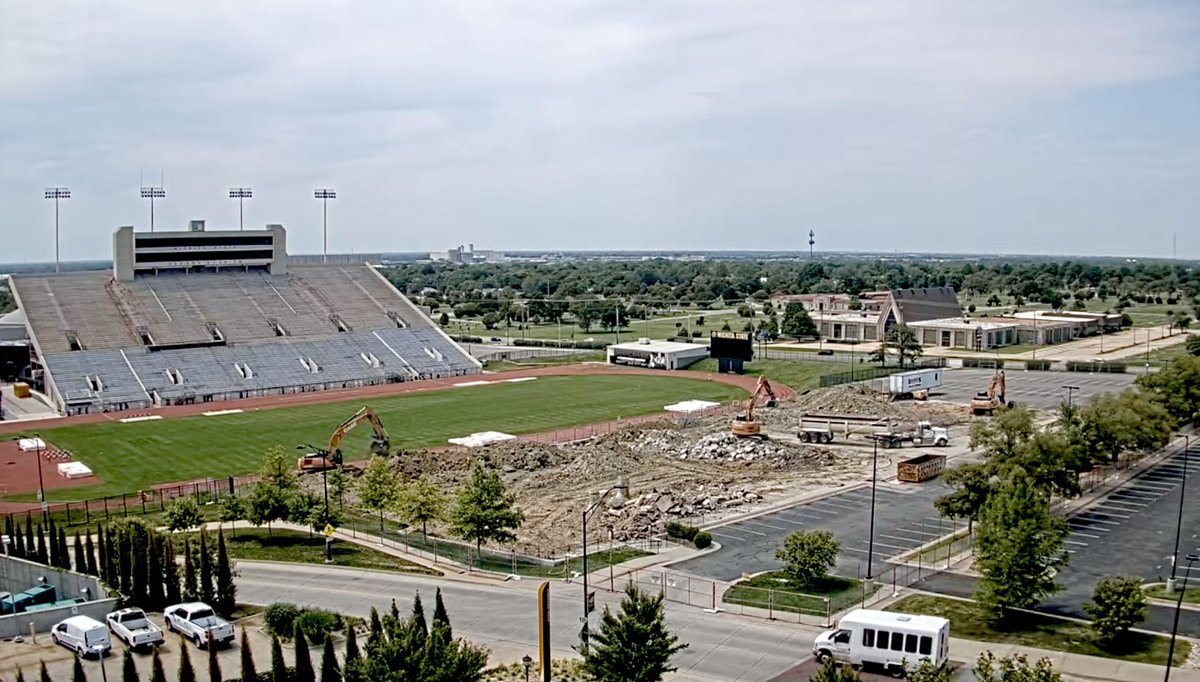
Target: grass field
x=799, y=375
x=297, y=547
x=656, y=328
x=130, y=457
x=771, y=590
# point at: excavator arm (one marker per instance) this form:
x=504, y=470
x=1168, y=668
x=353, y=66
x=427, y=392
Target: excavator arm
x=762, y=388
x=379, y=445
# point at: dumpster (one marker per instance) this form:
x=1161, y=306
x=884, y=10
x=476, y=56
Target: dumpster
x=920, y=468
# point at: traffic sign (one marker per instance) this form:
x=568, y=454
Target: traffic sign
x=328, y=532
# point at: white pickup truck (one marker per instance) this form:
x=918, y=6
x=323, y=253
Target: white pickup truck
x=199, y=623
x=134, y=628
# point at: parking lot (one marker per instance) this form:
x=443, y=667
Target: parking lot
x=1039, y=390
x=904, y=519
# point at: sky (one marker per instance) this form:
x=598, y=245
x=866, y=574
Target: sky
x=990, y=126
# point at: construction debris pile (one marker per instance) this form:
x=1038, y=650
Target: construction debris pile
x=857, y=399
x=725, y=447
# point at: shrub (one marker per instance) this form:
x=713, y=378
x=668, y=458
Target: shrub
x=681, y=531
x=280, y=617
x=702, y=540
x=316, y=623
x=1037, y=365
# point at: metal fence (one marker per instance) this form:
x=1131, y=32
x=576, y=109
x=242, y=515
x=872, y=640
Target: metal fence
x=867, y=373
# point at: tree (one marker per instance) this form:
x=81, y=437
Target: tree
x=279, y=671
x=444, y=319
x=808, y=555
x=1015, y=668
x=206, y=573
x=971, y=489
x=272, y=495
x=339, y=482
x=329, y=664
x=902, y=340
x=439, y=610
x=183, y=514
x=89, y=553
x=226, y=593
x=170, y=572
x=64, y=556
x=53, y=559
x=214, y=665
x=1192, y=345
x=156, y=594
x=632, y=645
x=20, y=676
x=1129, y=421
x=77, y=674
x=351, y=645
x=156, y=668
x=926, y=671
x=1117, y=605
x=832, y=671
x=1176, y=387
x=248, y=671
x=377, y=486
x=797, y=323
x=191, y=587
x=186, y=673
x=485, y=510
x=304, y=669
x=396, y=651
x=44, y=675
x=420, y=502
x=231, y=510
x=80, y=559
x=41, y=555
x=1019, y=546
x=129, y=671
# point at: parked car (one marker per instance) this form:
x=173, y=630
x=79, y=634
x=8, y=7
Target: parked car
x=134, y=628
x=198, y=622
x=83, y=635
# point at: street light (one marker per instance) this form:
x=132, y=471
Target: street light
x=871, y=532
x=1070, y=394
x=241, y=194
x=57, y=193
x=528, y=663
x=1179, y=522
x=324, y=194
x=1191, y=558
x=37, y=446
x=622, y=490
x=153, y=193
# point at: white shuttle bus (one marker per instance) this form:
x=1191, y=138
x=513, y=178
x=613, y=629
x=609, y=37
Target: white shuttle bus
x=886, y=639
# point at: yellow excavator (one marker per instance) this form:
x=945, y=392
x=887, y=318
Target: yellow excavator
x=331, y=456
x=744, y=426
x=987, y=402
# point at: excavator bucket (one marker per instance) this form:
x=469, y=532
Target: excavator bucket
x=380, y=446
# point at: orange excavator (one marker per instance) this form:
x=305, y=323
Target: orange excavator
x=744, y=426
x=331, y=456
x=987, y=402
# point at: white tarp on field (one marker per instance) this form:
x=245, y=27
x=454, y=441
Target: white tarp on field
x=28, y=444
x=74, y=470
x=482, y=438
x=691, y=406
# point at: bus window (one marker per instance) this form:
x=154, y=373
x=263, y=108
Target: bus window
x=926, y=645
x=868, y=637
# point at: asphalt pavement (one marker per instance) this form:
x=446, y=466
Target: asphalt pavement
x=1041, y=390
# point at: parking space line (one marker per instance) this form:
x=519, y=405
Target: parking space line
x=883, y=544
x=722, y=534
x=1144, y=495
x=1088, y=526
x=739, y=528
x=757, y=522
x=1073, y=542
x=835, y=505
x=910, y=532
x=855, y=550
x=1111, y=523
x=893, y=537
x=789, y=521
x=1112, y=502
x=1154, y=484
x=811, y=517
x=1110, y=515
x=1085, y=535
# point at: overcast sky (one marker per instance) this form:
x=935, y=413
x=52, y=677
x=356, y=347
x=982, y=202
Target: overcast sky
x=984, y=126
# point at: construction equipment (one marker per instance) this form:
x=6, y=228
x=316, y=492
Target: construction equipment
x=744, y=426
x=331, y=456
x=924, y=434
x=987, y=402
x=920, y=468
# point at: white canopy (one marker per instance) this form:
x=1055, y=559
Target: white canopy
x=691, y=406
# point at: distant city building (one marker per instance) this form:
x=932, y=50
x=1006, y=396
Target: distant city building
x=467, y=255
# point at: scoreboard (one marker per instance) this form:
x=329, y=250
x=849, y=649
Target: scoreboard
x=731, y=346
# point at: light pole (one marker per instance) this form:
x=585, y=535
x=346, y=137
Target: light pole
x=241, y=194
x=153, y=193
x=1070, y=394
x=324, y=194
x=1191, y=558
x=528, y=663
x=37, y=447
x=57, y=193
x=1179, y=522
x=871, y=532
x=622, y=490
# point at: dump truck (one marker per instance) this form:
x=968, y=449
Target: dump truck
x=821, y=427
x=920, y=468
x=923, y=435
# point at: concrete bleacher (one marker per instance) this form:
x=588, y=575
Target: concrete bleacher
x=168, y=338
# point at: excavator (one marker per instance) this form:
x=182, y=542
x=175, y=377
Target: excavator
x=987, y=402
x=331, y=456
x=744, y=426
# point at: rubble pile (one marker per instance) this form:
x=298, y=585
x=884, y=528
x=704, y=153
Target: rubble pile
x=726, y=447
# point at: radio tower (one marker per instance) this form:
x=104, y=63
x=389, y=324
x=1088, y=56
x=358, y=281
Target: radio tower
x=811, y=241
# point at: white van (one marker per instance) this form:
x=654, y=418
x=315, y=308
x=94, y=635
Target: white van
x=890, y=640
x=87, y=636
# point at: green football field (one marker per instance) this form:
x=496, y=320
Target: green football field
x=130, y=457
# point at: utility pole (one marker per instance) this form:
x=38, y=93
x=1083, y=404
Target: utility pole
x=241, y=194
x=57, y=193
x=324, y=194
x=1070, y=393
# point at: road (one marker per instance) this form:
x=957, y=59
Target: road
x=1041, y=390
x=503, y=617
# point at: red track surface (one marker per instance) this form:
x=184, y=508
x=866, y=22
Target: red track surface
x=21, y=476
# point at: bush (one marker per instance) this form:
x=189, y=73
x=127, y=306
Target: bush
x=1037, y=365
x=280, y=617
x=681, y=531
x=703, y=540
x=467, y=339
x=316, y=623
x=987, y=363
x=1089, y=366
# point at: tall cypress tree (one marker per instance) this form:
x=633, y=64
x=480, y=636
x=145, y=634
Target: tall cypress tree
x=124, y=559
x=64, y=554
x=102, y=546
x=351, y=645
x=44, y=675
x=20, y=675
x=226, y=596
x=41, y=545
x=439, y=612
x=375, y=638
x=80, y=560
x=190, y=591
x=19, y=545
x=214, y=666
x=129, y=671
x=8, y=525
x=156, y=669
x=138, y=570
x=30, y=547
x=77, y=674
x=248, y=672
x=304, y=669
x=279, y=671
x=89, y=550
x=170, y=572
x=154, y=571
x=329, y=664
x=186, y=673
x=52, y=559
x=206, y=572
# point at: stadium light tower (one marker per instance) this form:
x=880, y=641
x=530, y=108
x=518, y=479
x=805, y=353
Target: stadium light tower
x=57, y=193
x=153, y=193
x=324, y=194
x=241, y=194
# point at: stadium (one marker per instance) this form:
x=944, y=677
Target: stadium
x=203, y=316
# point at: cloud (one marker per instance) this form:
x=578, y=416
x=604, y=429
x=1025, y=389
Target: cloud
x=603, y=124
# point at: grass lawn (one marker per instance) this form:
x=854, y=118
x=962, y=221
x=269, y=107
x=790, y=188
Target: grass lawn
x=130, y=457
x=1042, y=632
x=1192, y=596
x=771, y=590
x=297, y=547
x=799, y=375
x=547, y=361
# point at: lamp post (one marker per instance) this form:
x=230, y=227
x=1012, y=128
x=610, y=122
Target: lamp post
x=153, y=193
x=37, y=447
x=57, y=193
x=241, y=194
x=1179, y=521
x=1191, y=558
x=1070, y=394
x=528, y=663
x=324, y=194
x=324, y=473
x=622, y=490
x=871, y=532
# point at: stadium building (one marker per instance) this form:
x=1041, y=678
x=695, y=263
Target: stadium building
x=202, y=316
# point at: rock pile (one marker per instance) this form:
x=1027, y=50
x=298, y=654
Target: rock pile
x=647, y=514
x=726, y=447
